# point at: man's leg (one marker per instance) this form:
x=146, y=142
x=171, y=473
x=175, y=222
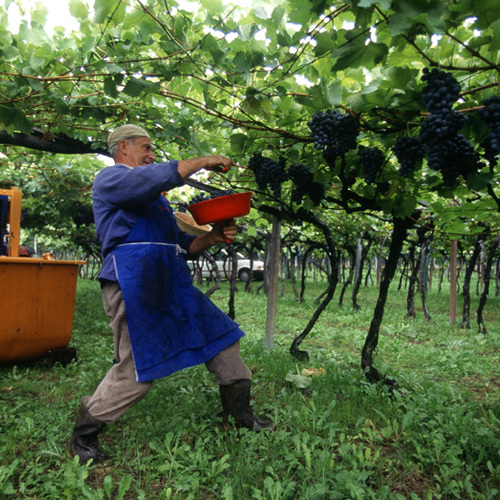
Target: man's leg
x=228, y=367
x=117, y=392
x=119, y=389
x=233, y=377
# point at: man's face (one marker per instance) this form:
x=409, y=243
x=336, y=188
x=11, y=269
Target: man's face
x=139, y=152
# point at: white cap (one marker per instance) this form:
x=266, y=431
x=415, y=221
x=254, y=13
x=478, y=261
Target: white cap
x=125, y=132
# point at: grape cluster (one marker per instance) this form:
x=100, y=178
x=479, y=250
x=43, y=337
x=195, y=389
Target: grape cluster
x=182, y=206
x=371, y=161
x=453, y=158
x=304, y=184
x=333, y=133
x=84, y=215
x=213, y=194
x=491, y=115
x=268, y=173
x=198, y=198
x=490, y=152
x=409, y=151
x=441, y=92
x=441, y=126
x=447, y=151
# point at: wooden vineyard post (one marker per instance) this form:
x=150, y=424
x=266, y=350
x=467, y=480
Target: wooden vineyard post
x=272, y=291
x=453, y=281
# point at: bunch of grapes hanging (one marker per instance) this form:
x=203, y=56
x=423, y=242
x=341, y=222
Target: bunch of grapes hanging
x=491, y=115
x=410, y=152
x=83, y=216
x=333, y=133
x=370, y=161
x=268, y=173
x=304, y=184
x=447, y=151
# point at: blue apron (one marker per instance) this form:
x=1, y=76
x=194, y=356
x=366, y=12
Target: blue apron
x=172, y=325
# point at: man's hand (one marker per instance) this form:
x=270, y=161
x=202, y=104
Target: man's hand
x=222, y=232
x=225, y=231
x=220, y=163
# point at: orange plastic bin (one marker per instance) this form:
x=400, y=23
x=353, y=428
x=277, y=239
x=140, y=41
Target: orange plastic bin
x=37, y=299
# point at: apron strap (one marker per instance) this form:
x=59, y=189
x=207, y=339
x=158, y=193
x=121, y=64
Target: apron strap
x=178, y=248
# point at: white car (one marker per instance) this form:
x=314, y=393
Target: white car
x=224, y=267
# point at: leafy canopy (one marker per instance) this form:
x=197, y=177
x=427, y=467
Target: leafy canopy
x=222, y=78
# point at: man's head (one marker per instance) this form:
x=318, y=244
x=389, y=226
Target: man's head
x=131, y=145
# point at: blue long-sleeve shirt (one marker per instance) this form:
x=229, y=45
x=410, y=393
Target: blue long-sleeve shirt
x=119, y=193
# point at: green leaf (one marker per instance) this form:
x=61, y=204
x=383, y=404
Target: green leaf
x=238, y=143
x=384, y=4
x=278, y=14
x=79, y=10
x=124, y=486
x=213, y=6
x=486, y=11
x=242, y=62
x=356, y=53
x=495, y=40
x=61, y=107
x=134, y=87
x=333, y=93
x=404, y=205
x=247, y=32
x=399, y=24
x=325, y=42
x=14, y=120
x=318, y=6
x=298, y=381
x=109, y=10
x=479, y=181
x=110, y=86
x=10, y=53
x=32, y=36
x=39, y=14
x=108, y=485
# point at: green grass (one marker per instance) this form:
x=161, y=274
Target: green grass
x=437, y=436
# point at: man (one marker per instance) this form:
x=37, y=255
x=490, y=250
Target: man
x=161, y=322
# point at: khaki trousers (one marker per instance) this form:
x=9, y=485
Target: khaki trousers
x=119, y=389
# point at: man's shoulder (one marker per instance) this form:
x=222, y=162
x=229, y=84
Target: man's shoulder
x=111, y=170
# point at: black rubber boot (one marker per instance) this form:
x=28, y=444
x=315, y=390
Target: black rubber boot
x=236, y=402
x=83, y=442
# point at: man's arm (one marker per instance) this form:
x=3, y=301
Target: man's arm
x=186, y=168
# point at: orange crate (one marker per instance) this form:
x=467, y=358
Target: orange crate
x=37, y=299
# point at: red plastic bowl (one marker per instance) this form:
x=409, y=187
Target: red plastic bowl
x=221, y=208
